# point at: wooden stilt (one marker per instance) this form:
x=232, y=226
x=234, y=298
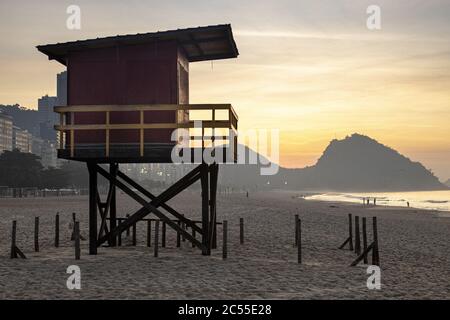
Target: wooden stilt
x=113, y=168
x=92, y=208
x=13, y=240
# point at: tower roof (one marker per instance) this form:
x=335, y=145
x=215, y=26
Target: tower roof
x=199, y=44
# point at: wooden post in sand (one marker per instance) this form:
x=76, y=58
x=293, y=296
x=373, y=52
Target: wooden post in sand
x=179, y=236
x=375, y=253
x=76, y=231
x=299, y=240
x=36, y=234
x=364, y=231
x=15, y=251
x=350, y=231
x=163, y=235
x=13, y=240
x=224, y=240
x=156, y=238
x=296, y=230
x=128, y=229
x=134, y=234
x=183, y=225
x=241, y=230
x=357, y=237
x=193, y=236
x=149, y=233
x=57, y=230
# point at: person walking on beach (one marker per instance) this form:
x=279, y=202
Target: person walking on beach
x=407, y=203
x=374, y=201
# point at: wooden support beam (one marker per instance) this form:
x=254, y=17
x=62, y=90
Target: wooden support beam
x=148, y=205
x=92, y=168
x=113, y=168
x=176, y=188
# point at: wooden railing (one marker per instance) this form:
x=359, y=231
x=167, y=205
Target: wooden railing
x=67, y=125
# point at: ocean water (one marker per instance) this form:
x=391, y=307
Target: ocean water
x=430, y=200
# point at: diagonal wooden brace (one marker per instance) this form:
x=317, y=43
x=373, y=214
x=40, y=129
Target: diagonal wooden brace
x=150, y=206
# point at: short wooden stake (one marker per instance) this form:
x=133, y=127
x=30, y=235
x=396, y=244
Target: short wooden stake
x=149, y=233
x=15, y=251
x=36, y=234
x=364, y=230
x=350, y=231
x=241, y=230
x=357, y=237
x=13, y=240
x=156, y=238
x=299, y=241
x=375, y=252
x=224, y=240
x=193, y=236
x=296, y=230
x=163, y=235
x=57, y=230
x=76, y=232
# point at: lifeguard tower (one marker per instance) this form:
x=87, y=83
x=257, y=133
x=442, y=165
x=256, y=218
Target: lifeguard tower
x=125, y=96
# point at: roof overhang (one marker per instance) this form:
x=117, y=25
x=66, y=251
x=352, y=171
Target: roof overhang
x=198, y=44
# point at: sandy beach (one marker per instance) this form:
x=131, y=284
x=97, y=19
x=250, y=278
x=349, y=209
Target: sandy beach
x=414, y=253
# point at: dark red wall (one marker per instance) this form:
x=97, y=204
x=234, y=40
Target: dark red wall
x=133, y=74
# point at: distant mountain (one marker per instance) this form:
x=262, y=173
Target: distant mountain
x=447, y=183
x=356, y=163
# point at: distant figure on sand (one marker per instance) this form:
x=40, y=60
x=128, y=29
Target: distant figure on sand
x=368, y=201
x=247, y=194
x=407, y=203
x=374, y=201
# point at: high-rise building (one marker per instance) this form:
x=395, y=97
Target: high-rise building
x=6, y=132
x=47, y=118
x=22, y=139
x=61, y=88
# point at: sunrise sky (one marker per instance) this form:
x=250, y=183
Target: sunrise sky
x=309, y=68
